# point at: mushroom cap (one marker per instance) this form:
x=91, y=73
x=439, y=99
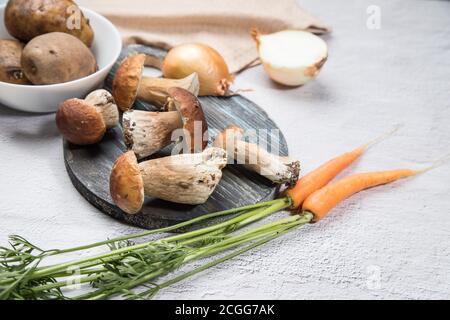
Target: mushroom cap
x=191, y=112
x=79, y=122
x=126, y=184
x=126, y=81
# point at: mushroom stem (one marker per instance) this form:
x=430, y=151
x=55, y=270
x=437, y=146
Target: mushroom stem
x=129, y=84
x=154, y=90
x=148, y=132
x=103, y=101
x=275, y=168
x=184, y=178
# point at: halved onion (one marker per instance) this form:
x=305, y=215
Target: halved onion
x=291, y=57
x=183, y=60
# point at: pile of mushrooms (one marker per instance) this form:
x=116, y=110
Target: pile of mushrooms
x=192, y=174
x=46, y=51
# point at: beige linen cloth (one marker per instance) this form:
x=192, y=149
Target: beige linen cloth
x=223, y=24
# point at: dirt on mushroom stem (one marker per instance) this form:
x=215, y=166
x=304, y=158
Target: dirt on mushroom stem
x=280, y=170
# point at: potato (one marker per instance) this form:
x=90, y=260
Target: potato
x=10, y=68
x=26, y=19
x=56, y=58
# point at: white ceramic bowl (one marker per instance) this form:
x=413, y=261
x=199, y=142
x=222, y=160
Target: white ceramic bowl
x=106, y=48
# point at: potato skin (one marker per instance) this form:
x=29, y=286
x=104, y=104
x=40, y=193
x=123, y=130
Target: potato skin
x=26, y=19
x=10, y=67
x=56, y=58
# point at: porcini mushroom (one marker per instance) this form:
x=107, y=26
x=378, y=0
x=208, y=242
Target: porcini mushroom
x=275, y=168
x=85, y=122
x=10, y=67
x=130, y=85
x=184, y=178
x=147, y=132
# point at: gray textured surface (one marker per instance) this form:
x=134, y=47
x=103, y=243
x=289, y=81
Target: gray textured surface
x=390, y=242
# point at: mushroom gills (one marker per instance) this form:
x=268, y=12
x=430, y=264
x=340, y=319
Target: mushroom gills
x=184, y=178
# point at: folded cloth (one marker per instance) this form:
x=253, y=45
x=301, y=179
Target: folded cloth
x=223, y=25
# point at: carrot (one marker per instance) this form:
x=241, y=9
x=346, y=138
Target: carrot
x=321, y=176
x=322, y=201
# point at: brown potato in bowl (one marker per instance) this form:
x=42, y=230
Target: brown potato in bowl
x=57, y=58
x=10, y=67
x=26, y=19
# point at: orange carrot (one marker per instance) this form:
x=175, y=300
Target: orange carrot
x=321, y=176
x=322, y=201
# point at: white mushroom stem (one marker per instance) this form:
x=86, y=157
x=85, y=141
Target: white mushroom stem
x=148, y=132
x=184, y=178
x=155, y=89
x=103, y=101
x=278, y=169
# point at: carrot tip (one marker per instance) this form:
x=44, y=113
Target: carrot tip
x=382, y=137
x=444, y=160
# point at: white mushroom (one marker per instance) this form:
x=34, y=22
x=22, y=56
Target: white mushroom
x=275, y=168
x=184, y=178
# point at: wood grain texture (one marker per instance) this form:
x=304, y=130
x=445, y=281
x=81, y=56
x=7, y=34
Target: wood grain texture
x=89, y=167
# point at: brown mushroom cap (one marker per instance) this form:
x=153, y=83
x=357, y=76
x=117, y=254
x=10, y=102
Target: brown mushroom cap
x=126, y=184
x=126, y=81
x=79, y=122
x=191, y=111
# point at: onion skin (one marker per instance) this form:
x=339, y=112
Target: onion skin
x=215, y=78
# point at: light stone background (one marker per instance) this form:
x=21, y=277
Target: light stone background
x=386, y=243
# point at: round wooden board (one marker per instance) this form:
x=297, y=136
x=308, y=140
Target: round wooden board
x=89, y=167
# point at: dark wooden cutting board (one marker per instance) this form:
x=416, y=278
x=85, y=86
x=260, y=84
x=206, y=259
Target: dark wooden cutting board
x=89, y=167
